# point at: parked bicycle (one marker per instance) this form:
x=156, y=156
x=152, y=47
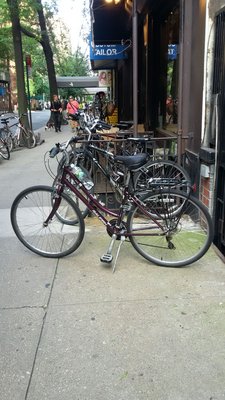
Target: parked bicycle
x=16, y=134
x=153, y=169
x=167, y=227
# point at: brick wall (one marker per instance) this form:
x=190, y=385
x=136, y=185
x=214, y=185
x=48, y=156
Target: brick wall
x=207, y=186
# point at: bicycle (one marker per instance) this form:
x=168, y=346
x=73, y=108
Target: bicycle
x=153, y=169
x=167, y=227
x=19, y=138
x=4, y=149
x=143, y=179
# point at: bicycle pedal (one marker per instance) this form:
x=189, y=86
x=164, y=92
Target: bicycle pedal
x=107, y=258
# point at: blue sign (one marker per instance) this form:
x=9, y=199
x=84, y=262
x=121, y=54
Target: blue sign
x=2, y=91
x=107, y=52
x=172, y=51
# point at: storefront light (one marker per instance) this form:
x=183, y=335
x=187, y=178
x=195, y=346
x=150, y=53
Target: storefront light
x=112, y=1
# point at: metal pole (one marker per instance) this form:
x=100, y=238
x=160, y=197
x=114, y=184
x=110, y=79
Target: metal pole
x=28, y=94
x=135, y=66
x=180, y=87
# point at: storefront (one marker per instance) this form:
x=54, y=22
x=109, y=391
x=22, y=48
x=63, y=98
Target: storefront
x=179, y=47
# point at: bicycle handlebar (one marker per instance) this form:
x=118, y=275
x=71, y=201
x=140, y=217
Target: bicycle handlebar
x=59, y=147
x=54, y=151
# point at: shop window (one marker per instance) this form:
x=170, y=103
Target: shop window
x=169, y=98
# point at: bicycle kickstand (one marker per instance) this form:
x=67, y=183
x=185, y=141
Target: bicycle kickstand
x=122, y=240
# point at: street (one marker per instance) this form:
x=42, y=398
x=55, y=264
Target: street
x=39, y=118
x=72, y=330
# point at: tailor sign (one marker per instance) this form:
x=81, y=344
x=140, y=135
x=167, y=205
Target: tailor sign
x=172, y=51
x=107, y=52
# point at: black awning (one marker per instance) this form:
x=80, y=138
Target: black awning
x=110, y=22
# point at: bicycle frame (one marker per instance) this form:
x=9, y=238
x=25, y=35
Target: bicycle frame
x=96, y=207
x=103, y=169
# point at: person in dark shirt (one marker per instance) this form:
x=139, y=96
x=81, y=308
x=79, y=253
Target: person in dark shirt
x=56, y=109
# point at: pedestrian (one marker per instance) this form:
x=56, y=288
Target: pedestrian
x=64, y=111
x=72, y=108
x=56, y=110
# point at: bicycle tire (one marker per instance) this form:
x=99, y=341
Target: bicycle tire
x=27, y=138
x=157, y=174
x=182, y=237
x=61, y=236
x=4, y=150
x=79, y=203
x=32, y=139
x=6, y=136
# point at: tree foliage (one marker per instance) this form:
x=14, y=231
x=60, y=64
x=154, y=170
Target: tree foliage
x=33, y=36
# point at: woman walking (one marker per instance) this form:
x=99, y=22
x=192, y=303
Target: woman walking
x=56, y=109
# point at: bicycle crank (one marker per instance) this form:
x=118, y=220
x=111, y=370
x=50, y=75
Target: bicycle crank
x=113, y=229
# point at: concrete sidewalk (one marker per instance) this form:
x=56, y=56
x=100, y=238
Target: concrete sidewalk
x=72, y=330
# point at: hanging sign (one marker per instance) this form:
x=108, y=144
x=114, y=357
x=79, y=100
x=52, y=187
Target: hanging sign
x=172, y=51
x=107, y=52
x=28, y=65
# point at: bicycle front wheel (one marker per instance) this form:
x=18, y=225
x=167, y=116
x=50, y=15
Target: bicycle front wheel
x=59, y=237
x=4, y=150
x=173, y=239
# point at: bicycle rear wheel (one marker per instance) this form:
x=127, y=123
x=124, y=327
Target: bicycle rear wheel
x=164, y=174
x=6, y=136
x=27, y=138
x=181, y=234
x=31, y=139
x=60, y=236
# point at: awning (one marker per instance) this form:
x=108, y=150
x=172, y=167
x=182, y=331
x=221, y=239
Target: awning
x=77, y=81
x=110, y=22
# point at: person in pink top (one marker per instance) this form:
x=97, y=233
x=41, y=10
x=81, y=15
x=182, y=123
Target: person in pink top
x=72, y=108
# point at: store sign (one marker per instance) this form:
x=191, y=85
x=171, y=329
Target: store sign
x=172, y=51
x=2, y=91
x=107, y=52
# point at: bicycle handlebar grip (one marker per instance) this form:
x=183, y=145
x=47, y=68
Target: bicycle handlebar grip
x=54, y=151
x=104, y=125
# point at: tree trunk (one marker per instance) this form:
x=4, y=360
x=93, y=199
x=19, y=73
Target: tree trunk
x=17, y=43
x=47, y=50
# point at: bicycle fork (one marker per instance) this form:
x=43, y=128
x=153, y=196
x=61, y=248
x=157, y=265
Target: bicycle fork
x=53, y=211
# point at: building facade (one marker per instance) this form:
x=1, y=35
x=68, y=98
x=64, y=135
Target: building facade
x=175, y=59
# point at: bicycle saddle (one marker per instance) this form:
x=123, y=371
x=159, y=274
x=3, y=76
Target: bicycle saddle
x=133, y=162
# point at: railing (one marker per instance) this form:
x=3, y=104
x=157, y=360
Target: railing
x=165, y=147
